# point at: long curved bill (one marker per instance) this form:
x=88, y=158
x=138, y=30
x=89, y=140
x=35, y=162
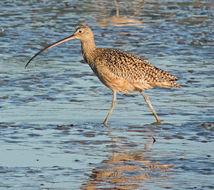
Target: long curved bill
x=50, y=46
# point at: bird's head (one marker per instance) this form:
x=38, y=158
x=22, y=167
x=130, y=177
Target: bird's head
x=83, y=33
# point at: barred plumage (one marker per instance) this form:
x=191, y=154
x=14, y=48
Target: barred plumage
x=133, y=69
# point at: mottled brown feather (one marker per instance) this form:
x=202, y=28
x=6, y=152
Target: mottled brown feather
x=133, y=69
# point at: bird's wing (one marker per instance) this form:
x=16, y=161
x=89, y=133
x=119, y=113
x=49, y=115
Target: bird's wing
x=131, y=67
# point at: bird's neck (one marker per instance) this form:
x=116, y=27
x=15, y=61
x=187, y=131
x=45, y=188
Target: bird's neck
x=88, y=50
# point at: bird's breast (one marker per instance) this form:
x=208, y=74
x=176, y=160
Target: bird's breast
x=112, y=81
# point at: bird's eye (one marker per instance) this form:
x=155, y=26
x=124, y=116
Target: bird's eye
x=80, y=31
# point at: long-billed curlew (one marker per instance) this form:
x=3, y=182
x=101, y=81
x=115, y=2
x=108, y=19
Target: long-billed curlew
x=118, y=70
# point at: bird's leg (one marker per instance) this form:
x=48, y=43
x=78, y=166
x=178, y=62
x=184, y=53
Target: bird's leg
x=114, y=100
x=150, y=106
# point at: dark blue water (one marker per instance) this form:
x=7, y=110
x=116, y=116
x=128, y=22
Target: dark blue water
x=51, y=114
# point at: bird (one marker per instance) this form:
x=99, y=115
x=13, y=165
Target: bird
x=119, y=70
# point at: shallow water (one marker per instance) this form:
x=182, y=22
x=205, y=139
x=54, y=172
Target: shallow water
x=51, y=114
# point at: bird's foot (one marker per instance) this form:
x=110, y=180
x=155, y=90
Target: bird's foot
x=105, y=123
x=159, y=122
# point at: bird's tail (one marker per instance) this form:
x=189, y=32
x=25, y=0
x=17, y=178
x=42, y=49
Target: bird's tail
x=168, y=84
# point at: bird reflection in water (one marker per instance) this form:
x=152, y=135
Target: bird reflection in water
x=117, y=20
x=127, y=168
